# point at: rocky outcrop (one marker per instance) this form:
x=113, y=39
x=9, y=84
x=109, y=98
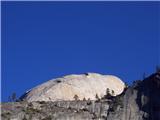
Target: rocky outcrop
x=141, y=101
x=83, y=86
x=61, y=110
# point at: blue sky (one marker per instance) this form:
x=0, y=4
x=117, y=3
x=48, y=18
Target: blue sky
x=45, y=40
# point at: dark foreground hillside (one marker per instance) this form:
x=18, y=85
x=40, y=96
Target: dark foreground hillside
x=141, y=101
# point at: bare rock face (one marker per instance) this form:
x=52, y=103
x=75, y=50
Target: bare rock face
x=84, y=86
x=141, y=101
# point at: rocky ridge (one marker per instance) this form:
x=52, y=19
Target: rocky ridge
x=141, y=101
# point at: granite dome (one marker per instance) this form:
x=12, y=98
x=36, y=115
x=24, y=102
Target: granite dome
x=84, y=85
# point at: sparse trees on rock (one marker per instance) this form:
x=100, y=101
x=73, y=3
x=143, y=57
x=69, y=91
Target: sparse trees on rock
x=13, y=97
x=84, y=99
x=113, y=93
x=126, y=85
x=76, y=97
x=108, y=94
x=97, y=97
x=89, y=101
x=108, y=91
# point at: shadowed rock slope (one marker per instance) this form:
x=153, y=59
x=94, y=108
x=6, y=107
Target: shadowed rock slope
x=141, y=101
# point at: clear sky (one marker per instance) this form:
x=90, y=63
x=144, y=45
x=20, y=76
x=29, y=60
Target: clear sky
x=45, y=40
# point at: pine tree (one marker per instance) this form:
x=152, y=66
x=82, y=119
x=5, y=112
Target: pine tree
x=113, y=93
x=107, y=91
x=84, y=99
x=108, y=94
x=97, y=97
x=13, y=97
x=76, y=97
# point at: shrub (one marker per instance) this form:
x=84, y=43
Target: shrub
x=89, y=101
x=12, y=98
x=97, y=97
x=113, y=93
x=84, y=99
x=76, y=97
